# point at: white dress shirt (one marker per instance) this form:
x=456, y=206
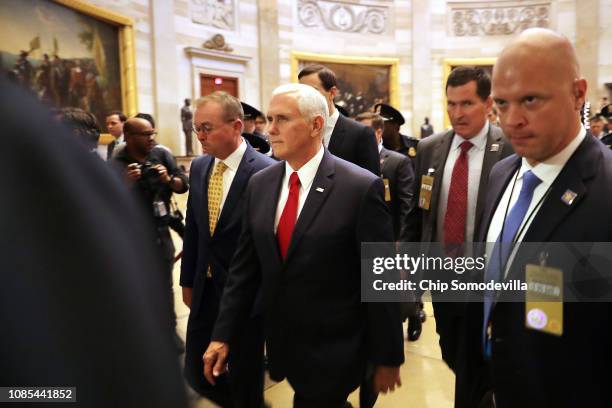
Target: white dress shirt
x=547, y=171
x=232, y=162
x=329, y=126
x=475, y=159
x=306, y=174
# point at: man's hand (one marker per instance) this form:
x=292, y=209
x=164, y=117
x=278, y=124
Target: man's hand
x=386, y=378
x=215, y=360
x=163, y=173
x=187, y=293
x=133, y=172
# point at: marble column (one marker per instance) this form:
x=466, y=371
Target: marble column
x=421, y=64
x=165, y=76
x=587, y=46
x=269, y=59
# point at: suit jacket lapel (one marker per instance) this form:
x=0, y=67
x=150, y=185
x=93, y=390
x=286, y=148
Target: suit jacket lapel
x=581, y=166
x=319, y=191
x=490, y=158
x=207, y=167
x=384, y=154
x=497, y=188
x=245, y=168
x=438, y=162
x=269, y=201
x=337, y=136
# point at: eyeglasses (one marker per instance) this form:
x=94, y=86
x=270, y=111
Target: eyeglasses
x=207, y=130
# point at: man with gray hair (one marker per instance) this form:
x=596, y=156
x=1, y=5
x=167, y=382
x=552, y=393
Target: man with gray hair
x=304, y=221
x=214, y=209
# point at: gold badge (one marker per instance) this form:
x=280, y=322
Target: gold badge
x=544, y=299
x=412, y=152
x=425, y=194
x=387, y=190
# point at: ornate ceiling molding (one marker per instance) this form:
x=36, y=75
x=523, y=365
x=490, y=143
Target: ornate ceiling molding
x=344, y=17
x=469, y=19
x=214, y=13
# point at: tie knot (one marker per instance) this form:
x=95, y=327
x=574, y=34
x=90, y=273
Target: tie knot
x=530, y=181
x=220, y=167
x=294, y=179
x=465, y=146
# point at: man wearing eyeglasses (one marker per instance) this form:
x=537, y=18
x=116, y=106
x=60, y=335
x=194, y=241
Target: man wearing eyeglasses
x=214, y=218
x=152, y=175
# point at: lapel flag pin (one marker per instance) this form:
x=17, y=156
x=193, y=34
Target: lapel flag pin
x=568, y=197
x=320, y=189
x=494, y=147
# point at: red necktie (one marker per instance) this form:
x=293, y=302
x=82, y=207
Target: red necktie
x=456, y=210
x=289, y=215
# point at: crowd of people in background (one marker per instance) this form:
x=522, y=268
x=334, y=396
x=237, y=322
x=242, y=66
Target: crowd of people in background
x=280, y=202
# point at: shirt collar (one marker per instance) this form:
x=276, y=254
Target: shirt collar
x=233, y=160
x=479, y=141
x=332, y=119
x=380, y=146
x=308, y=171
x=549, y=169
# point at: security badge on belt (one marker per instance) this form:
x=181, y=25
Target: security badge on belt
x=387, y=190
x=426, y=189
x=544, y=298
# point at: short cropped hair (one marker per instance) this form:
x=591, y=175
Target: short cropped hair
x=377, y=121
x=232, y=109
x=84, y=124
x=310, y=102
x=326, y=75
x=146, y=117
x=119, y=114
x=462, y=75
x=598, y=118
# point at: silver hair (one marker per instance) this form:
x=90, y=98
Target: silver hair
x=310, y=102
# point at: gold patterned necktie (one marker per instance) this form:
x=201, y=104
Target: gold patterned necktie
x=215, y=193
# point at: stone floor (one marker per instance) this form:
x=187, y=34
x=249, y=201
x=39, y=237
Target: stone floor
x=426, y=380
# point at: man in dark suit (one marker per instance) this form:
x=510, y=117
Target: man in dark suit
x=214, y=209
x=81, y=285
x=114, y=125
x=344, y=137
x=557, y=188
x=454, y=167
x=392, y=138
x=304, y=221
x=249, y=131
x=398, y=176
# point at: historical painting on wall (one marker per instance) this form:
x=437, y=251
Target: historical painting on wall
x=362, y=82
x=65, y=57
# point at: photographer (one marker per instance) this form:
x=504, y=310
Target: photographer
x=152, y=174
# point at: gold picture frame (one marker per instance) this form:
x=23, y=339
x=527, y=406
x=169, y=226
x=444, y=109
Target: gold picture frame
x=299, y=59
x=449, y=64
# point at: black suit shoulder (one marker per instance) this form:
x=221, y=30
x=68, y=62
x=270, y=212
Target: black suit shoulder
x=356, y=143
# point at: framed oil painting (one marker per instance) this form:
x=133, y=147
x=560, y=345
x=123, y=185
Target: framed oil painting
x=362, y=82
x=452, y=63
x=69, y=53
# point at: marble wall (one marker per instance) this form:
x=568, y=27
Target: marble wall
x=422, y=34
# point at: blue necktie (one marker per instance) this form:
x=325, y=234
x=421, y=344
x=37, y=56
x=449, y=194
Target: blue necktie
x=503, y=246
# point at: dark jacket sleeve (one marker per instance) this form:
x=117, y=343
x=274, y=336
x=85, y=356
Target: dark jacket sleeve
x=175, y=171
x=242, y=283
x=385, y=335
x=190, y=240
x=367, y=151
x=414, y=220
x=405, y=196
